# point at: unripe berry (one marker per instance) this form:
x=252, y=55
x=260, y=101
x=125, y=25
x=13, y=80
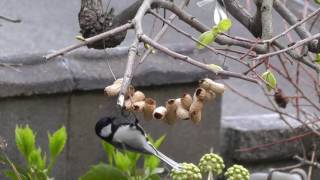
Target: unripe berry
x=189, y=171
x=237, y=172
x=211, y=162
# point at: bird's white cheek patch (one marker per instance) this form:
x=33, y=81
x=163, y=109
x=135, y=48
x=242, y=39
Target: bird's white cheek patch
x=106, y=131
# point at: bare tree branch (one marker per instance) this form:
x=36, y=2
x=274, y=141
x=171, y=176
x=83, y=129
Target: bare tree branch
x=90, y=40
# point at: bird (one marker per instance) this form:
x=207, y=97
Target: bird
x=129, y=136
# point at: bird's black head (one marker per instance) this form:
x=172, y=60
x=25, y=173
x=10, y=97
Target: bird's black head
x=104, y=127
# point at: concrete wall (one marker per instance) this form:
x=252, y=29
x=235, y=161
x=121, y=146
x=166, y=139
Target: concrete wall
x=79, y=113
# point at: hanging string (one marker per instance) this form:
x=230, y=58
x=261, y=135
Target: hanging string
x=105, y=51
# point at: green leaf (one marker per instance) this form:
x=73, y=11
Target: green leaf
x=206, y=38
x=103, y=172
x=36, y=161
x=133, y=157
x=57, y=142
x=25, y=140
x=224, y=25
x=317, y=1
x=122, y=161
x=110, y=150
x=151, y=162
x=318, y=57
x=12, y=175
x=159, y=141
x=271, y=80
x=153, y=177
x=215, y=68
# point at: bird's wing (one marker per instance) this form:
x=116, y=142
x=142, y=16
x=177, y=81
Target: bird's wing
x=131, y=137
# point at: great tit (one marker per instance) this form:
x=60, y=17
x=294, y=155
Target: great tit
x=129, y=136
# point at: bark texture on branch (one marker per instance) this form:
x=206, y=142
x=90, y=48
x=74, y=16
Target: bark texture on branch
x=252, y=23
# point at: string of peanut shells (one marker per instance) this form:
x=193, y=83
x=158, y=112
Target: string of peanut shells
x=183, y=108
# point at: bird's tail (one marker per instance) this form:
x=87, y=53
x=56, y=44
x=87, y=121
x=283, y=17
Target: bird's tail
x=166, y=159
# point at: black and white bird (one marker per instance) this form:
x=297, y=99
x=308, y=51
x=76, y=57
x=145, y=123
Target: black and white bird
x=129, y=136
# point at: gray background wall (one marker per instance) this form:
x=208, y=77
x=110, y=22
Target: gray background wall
x=68, y=90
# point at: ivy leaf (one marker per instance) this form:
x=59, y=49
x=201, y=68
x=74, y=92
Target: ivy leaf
x=151, y=162
x=110, y=150
x=102, y=172
x=25, y=140
x=318, y=56
x=159, y=141
x=36, y=161
x=122, y=161
x=215, y=68
x=269, y=77
x=225, y=25
x=57, y=142
x=206, y=38
x=153, y=177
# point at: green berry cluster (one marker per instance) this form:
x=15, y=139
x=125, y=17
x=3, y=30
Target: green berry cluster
x=237, y=172
x=189, y=171
x=211, y=162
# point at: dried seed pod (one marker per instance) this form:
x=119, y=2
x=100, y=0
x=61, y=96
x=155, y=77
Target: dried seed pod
x=128, y=105
x=210, y=95
x=118, y=81
x=181, y=112
x=195, y=116
x=195, y=110
x=159, y=113
x=112, y=90
x=186, y=101
x=138, y=96
x=149, y=107
x=200, y=94
x=207, y=83
x=138, y=106
x=204, y=83
x=171, y=115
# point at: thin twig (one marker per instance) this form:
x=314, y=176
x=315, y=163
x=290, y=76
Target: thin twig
x=10, y=19
x=90, y=40
x=313, y=157
x=307, y=162
x=293, y=26
x=189, y=60
x=194, y=39
x=282, y=141
x=297, y=44
x=162, y=31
